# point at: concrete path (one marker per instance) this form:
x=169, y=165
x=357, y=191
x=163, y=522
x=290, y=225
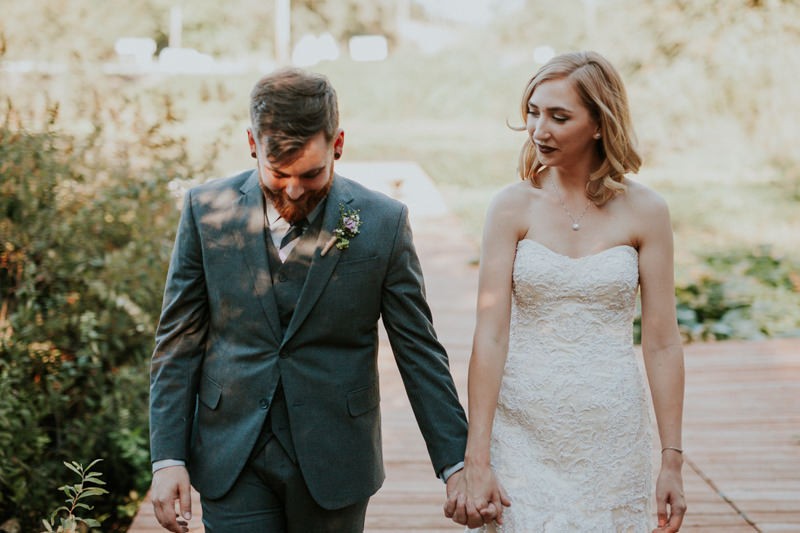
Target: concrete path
x=742, y=421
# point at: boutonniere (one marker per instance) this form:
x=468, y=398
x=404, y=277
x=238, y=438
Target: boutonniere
x=348, y=227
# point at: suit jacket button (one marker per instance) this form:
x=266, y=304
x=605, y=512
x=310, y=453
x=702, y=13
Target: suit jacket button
x=263, y=403
x=281, y=277
x=283, y=355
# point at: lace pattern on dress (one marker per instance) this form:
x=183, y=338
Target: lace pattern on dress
x=572, y=438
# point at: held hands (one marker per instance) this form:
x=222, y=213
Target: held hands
x=170, y=484
x=669, y=494
x=474, y=497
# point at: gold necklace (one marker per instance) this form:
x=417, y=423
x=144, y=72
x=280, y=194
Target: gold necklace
x=576, y=222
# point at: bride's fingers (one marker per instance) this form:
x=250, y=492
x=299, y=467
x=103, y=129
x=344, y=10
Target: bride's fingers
x=504, y=499
x=489, y=513
x=460, y=512
x=499, y=501
x=498, y=511
x=450, y=504
x=677, y=510
x=474, y=518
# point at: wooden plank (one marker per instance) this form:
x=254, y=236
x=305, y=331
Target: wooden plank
x=742, y=426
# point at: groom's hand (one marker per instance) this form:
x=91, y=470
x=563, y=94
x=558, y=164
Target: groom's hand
x=170, y=484
x=458, y=506
x=475, y=497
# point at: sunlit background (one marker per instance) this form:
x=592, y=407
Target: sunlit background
x=110, y=108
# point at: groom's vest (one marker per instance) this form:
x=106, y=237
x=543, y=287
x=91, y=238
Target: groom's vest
x=288, y=279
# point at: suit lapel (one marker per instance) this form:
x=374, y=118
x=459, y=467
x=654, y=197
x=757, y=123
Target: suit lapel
x=321, y=266
x=253, y=233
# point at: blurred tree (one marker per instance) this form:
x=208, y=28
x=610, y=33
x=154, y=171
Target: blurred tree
x=54, y=30
x=345, y=18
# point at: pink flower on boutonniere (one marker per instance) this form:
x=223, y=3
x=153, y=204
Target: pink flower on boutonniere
x=348, y=227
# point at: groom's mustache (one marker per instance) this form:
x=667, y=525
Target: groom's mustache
x=293, y=211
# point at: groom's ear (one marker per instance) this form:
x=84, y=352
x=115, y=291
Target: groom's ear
x=252, y=142
x=338, y=144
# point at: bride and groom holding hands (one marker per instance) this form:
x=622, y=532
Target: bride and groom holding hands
x=264, y=379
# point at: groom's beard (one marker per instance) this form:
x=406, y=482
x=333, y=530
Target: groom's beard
x=293, y=211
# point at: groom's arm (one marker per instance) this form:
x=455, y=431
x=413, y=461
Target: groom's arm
x=180, y=338
x=420, y=357
x=175, y=364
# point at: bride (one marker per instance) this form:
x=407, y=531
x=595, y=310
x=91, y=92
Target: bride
x=559, y=423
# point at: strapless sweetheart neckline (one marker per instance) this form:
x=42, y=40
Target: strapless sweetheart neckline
x=588, y=256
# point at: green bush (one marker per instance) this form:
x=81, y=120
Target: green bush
x=86, y=228
x=740, y=294
x=72, y=518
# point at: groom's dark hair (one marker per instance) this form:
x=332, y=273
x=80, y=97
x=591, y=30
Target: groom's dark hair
x=288, y=107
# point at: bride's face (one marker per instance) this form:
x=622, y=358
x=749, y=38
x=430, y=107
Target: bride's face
x=560, y=125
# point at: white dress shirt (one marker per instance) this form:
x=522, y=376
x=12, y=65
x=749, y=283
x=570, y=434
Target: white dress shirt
x=278, y=227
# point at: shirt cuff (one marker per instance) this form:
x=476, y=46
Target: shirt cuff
x=448, y=471
x=164, y=463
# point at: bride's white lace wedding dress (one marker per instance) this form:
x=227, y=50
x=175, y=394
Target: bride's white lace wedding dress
x=572, y=439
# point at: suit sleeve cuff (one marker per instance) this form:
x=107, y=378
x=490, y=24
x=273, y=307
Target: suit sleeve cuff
x=448, y=471
x=164, y=463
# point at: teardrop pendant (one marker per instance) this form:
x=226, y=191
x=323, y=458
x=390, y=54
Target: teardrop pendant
x=576, y=222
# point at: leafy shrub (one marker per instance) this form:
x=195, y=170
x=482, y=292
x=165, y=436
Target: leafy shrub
x=86, y=228
x=739, y=294
x=90, y=485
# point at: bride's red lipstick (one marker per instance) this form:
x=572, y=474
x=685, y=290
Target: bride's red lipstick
x=544, y=148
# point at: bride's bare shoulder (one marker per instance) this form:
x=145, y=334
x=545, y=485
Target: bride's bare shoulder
x=647, y=211
x=642, y=196
x=509, y=210
x=515, y=197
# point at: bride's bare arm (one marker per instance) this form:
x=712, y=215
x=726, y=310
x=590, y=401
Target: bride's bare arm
x=663, y=352
x=483, y=497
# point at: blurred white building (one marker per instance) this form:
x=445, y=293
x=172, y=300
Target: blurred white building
x=368, y=48
x=135, y=50
x=311, y=49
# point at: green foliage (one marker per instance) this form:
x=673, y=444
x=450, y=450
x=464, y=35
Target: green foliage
x=740, y=294
x=86, y=228
x=89, y=486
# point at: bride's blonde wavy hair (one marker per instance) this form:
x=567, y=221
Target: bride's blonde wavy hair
x=601, y=90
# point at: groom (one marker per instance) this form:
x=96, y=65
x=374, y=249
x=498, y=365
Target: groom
x=264, y=378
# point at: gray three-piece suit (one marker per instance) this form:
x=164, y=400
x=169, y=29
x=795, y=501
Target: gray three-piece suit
x=248, y=348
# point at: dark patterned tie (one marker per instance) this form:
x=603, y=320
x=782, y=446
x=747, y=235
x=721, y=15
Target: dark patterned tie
x=294, y=232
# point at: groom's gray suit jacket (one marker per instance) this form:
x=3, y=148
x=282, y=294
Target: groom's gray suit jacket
x=220, y=352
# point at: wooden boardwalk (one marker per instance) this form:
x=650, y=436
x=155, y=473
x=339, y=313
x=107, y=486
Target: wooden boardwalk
x=742, y=419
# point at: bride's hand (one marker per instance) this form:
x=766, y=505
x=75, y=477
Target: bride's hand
x=669, y=497
x=476, y=498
